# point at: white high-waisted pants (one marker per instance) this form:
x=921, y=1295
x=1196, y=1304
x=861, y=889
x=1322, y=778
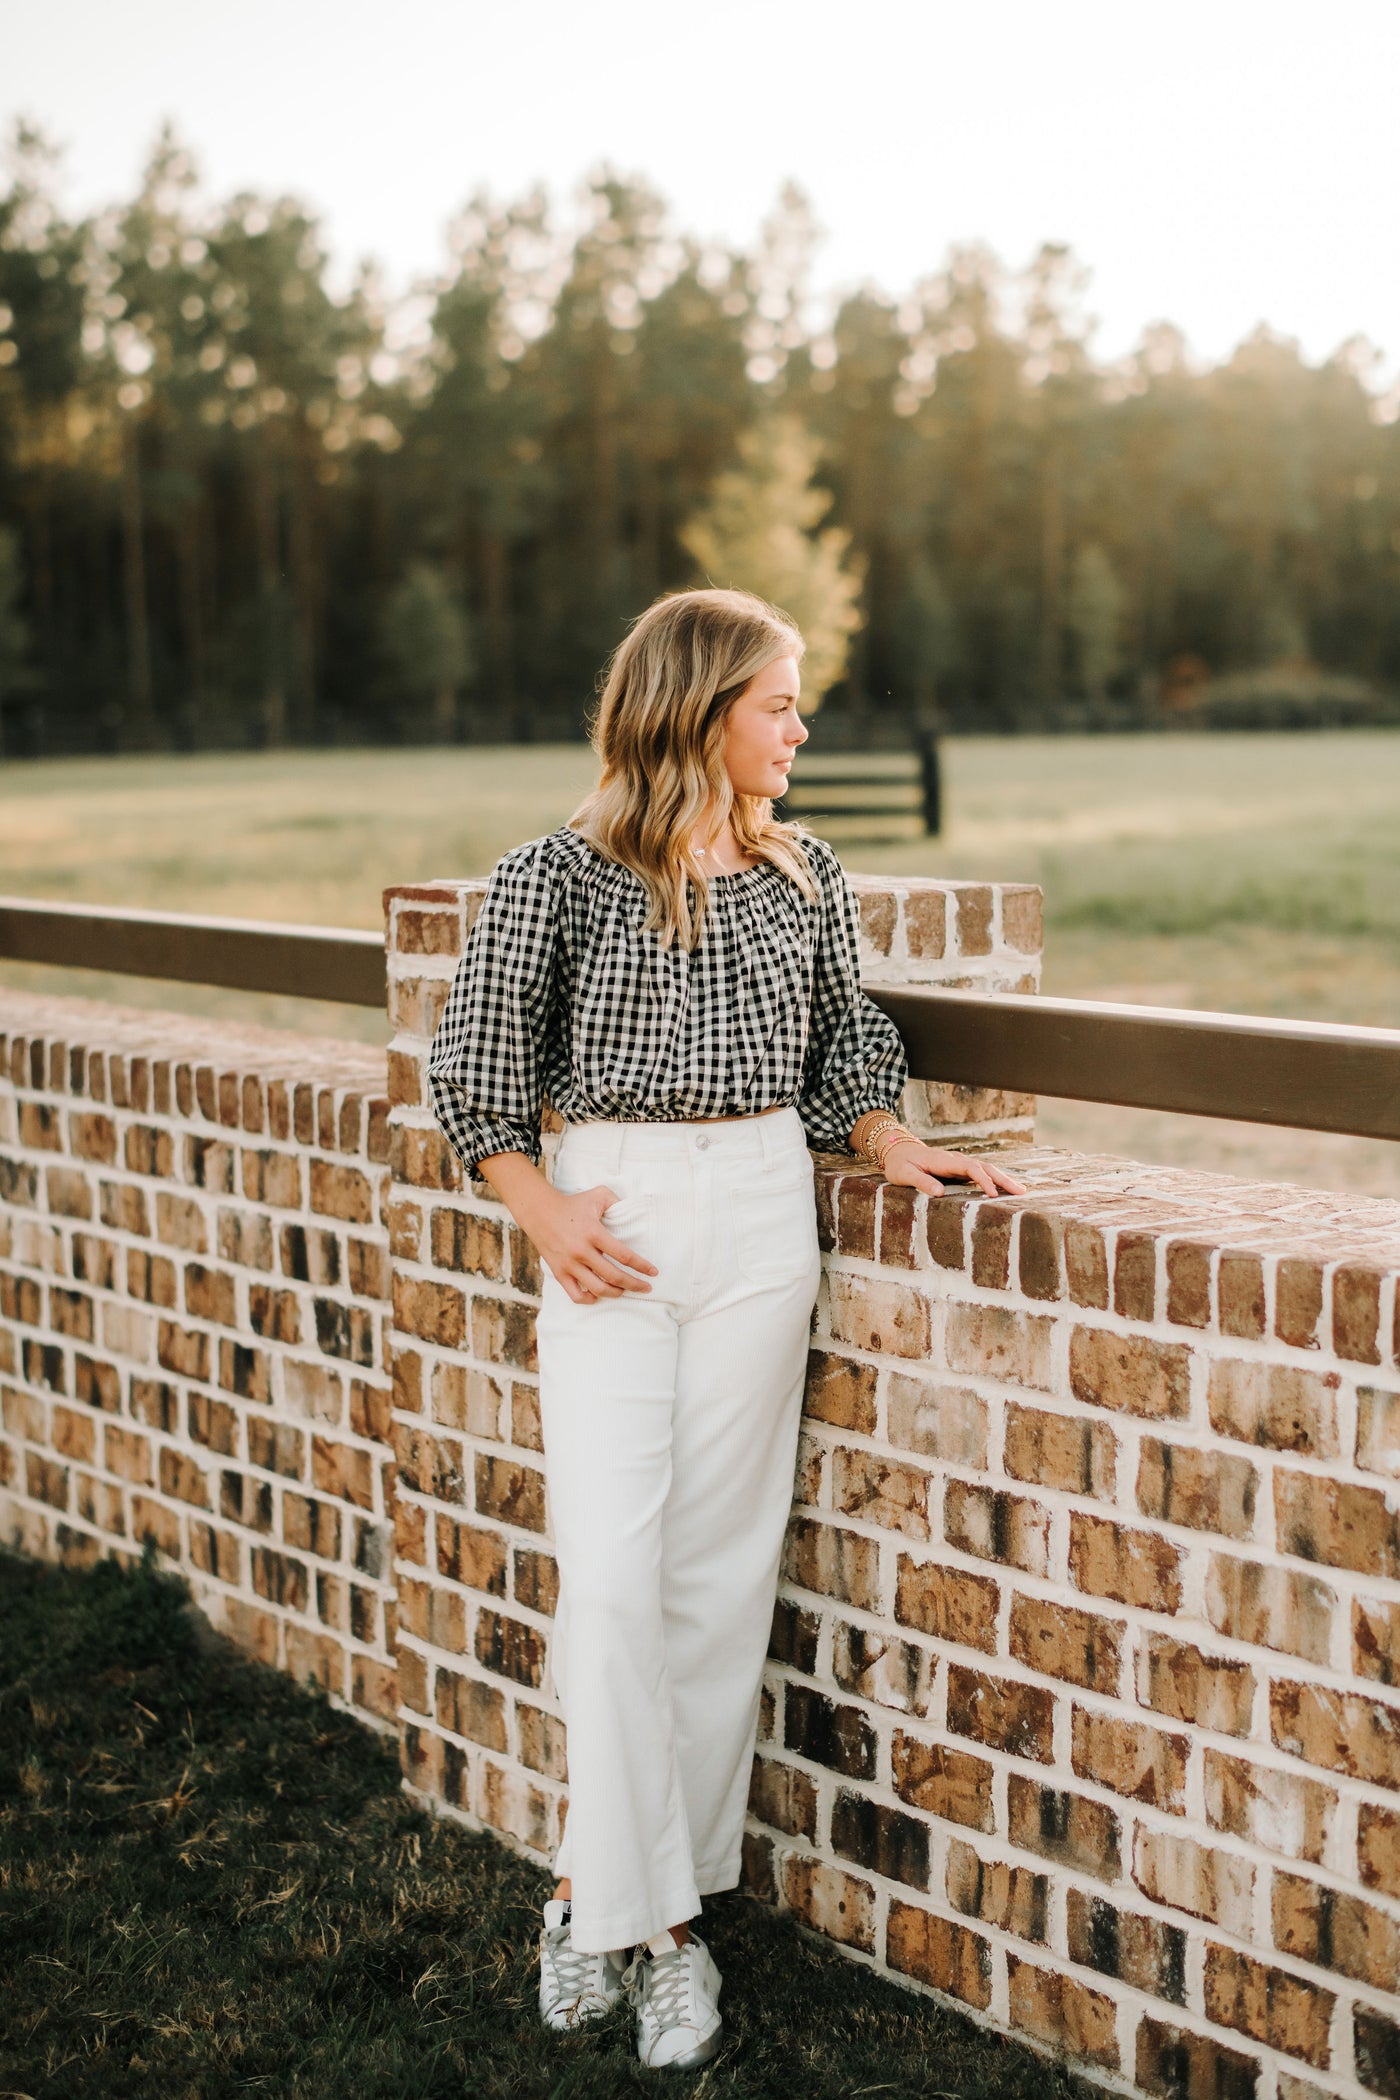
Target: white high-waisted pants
x=670, y=1423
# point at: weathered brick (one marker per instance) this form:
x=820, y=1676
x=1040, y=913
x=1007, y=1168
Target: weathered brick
x=1062, y=1641
x=998, y=1526
x=882, y=1840
x=857, y=1196
x=840, y=1390
x=1180, y=1874
x=1201, y=1489
x=1130, y=1758
x=90, y=1135
x=1132, y=1567
x=1270, y=1607
x=1072, y=1452
x=1072, y=2019
x=783, y=1797
x=943, y=1782
x=1130, y=1373
x=794, y=1635
x=880, y=1491
x=935, y=1951
x=925, y=922
x=1135, y=1276
x=991, y=1245
x=899, y=1207
x=311, y=1526
x=1376, y=2046
x=1240, y=1289
x=830, y=1902
x=277, y=1447
x=1086, y=1264
x=1143, y=1952
x=1070, y=1828
x=1212, y=1691
x=510, y=1492
x=1298, y=1301
x=1267, y=2004
x=272, y=1177
x=463, y=1398
x=1188, y=1283
x=1279, y=1810
x=1335, y=1930
x=1378, y=1430
x=937, y=1420
x=70, y=1314
x=314, y=1391
x=1356, y=1312
x=1337, y=1522
x=503, y=1332
x=338, y=1191
x=279, y=1578
x=310, y=1254
x=68, y=1188
x=1040, y=1255
x=948, y=1603
x=1375, y=1640
x=994, y=1341
x=833, y=1562
x=828, y=1733
x=886, y=1318
x=1011, y=1898
x=471, y=1708
x=877, y=1667
x=213, y=1423
x=946, y=1226
x=542, y=1740
x=468, y=1555
x=435, y=1312
x=509, y=1647
x=974, y=907
x=1175, y=2064
x=1004, y=1715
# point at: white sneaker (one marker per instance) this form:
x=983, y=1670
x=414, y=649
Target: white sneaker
x=574, y=1987
x=675, y=1996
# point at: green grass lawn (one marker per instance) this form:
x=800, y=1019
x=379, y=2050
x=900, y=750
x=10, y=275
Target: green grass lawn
x=211, y=1884
x=1259, y=874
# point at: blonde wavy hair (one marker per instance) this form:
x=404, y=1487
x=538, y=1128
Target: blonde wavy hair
x=659, y=733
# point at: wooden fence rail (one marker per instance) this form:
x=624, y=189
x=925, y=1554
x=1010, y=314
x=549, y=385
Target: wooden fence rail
x=1307, y=1075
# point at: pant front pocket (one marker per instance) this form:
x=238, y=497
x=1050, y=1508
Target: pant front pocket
x=774, y=1218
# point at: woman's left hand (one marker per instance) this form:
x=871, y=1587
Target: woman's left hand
x=920, y=1166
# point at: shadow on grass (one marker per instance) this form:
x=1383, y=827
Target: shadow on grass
x=210, y=1883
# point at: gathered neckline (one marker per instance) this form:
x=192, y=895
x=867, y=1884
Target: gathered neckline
x=720, y=875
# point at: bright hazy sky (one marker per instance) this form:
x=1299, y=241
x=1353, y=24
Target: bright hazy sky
x=1214, y=162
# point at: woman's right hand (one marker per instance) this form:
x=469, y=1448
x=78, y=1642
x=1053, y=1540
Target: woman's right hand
x=588, y=1260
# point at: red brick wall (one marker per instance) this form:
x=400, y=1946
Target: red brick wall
x=194, y=1286
x=1083, y=1701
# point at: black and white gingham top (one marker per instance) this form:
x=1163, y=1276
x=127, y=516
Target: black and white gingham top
x=559, y=992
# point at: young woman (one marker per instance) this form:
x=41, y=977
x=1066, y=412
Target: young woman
x=678, y=973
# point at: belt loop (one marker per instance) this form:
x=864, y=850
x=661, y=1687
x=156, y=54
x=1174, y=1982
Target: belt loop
x=770, y=1137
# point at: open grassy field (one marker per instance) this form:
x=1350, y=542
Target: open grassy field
x=1255, y=873
x=211, y=1884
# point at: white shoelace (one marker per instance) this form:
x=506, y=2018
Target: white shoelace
x=574, y=1970
x=665, y=1985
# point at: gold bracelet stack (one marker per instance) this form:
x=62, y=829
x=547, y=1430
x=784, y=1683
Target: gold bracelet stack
x=881, y=1138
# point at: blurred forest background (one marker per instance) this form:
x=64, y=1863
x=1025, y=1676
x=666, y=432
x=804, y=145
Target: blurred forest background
x=239, y=511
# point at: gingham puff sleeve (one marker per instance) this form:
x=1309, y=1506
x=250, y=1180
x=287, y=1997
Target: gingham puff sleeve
x=486, y=1064
x=855, y=1056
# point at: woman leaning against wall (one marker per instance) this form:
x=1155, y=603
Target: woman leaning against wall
x=677, y=971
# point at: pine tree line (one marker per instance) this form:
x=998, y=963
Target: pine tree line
x=236, y=509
